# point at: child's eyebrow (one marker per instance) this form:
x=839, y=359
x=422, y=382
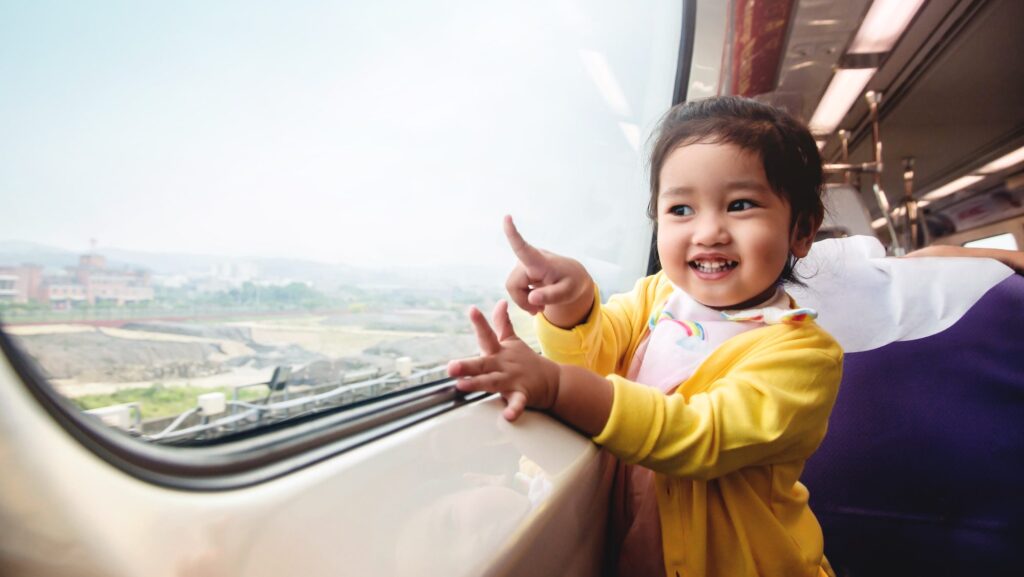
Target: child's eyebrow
x=677, y=191
x=747, y=185
x=744, y=185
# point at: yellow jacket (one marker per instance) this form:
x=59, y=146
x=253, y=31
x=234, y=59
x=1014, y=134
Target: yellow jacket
x=728, y=446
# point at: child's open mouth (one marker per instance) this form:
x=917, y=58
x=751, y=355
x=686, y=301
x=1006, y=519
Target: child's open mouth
x=713, y=266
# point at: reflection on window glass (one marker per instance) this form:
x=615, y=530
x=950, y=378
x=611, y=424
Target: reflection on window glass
x=1004, y=241
x=235, y=213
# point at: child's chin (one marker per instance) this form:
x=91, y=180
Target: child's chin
x=712, y=303
x=720, y=302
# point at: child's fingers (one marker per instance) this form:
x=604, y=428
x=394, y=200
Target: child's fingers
x=518, y=287
x=516, y=405
x=533, y=259
x=454, y=368
x=485, y=337
x=489, y=383
x=502, y=323
x=559, y=292
x=471, y=367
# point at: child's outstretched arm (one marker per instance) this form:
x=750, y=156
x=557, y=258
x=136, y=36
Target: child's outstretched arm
x=510, y=367
x=544, y=282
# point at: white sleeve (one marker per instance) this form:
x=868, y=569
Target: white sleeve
x=867, y=300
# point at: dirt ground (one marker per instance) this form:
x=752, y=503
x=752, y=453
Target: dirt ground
x=85, y=360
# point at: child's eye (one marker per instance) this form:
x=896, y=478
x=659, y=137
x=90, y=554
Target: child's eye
x=742, y=204
x=681, y=210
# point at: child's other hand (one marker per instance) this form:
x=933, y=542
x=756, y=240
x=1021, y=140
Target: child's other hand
x=542, y=279
x=506, y=366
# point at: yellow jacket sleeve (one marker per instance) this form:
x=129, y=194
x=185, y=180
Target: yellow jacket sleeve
x=762, y=397
x=605, y=342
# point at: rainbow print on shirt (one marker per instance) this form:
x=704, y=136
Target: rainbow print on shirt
x=693, y=330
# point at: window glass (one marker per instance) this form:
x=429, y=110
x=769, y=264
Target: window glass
x=215, y=209
x=1004, y=241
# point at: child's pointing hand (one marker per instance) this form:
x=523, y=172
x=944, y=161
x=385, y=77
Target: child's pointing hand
x=545, y=282
x=506, y=366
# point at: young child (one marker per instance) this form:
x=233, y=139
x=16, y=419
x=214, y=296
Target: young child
x=706, y=373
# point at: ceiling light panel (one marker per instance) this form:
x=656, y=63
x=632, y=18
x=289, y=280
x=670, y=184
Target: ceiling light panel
x=884, y=24
x=955, y=186
x=1004, y=162
x=846, y=85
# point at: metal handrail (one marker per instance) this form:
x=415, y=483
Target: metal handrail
x=875, y=168
x=249, y=411
x=174, y=425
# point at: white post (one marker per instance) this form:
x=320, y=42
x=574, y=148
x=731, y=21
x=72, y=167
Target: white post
x=404, y=366
x=212, y=403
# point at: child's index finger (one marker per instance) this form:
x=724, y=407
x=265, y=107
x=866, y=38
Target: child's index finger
x=485, y=337
x=524, y=251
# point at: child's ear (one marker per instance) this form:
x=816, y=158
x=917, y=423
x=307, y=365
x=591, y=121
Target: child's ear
x=803, y=235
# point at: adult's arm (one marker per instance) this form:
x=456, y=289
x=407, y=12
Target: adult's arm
x=1011, y=258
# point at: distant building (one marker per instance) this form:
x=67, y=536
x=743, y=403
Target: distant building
x=224, y=276
x=93, y=283
x=21, y=284
x=235, y=272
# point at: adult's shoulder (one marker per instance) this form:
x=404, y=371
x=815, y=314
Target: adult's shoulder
x=867, y=300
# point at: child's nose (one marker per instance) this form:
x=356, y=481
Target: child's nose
x=710, y=229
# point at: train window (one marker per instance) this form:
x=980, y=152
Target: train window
x=231, y=216
x=1004, y=241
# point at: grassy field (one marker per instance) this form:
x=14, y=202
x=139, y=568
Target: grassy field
x=160, y=401
x=117, y=352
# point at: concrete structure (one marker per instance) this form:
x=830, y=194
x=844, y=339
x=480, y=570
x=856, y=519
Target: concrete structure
x=93, y=283
x=21, y=284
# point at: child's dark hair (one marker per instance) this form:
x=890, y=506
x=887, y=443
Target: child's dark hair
x=790, y=156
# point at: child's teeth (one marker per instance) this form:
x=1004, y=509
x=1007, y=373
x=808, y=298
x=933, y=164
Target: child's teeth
x=713, y=266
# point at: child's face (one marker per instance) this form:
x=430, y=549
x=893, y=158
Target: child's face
x=723, y=235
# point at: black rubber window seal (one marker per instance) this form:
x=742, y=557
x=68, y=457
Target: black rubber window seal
x=679, y=91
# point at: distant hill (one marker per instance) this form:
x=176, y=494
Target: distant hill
x=16, y=252
x=162, y=263
x=321, y=274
